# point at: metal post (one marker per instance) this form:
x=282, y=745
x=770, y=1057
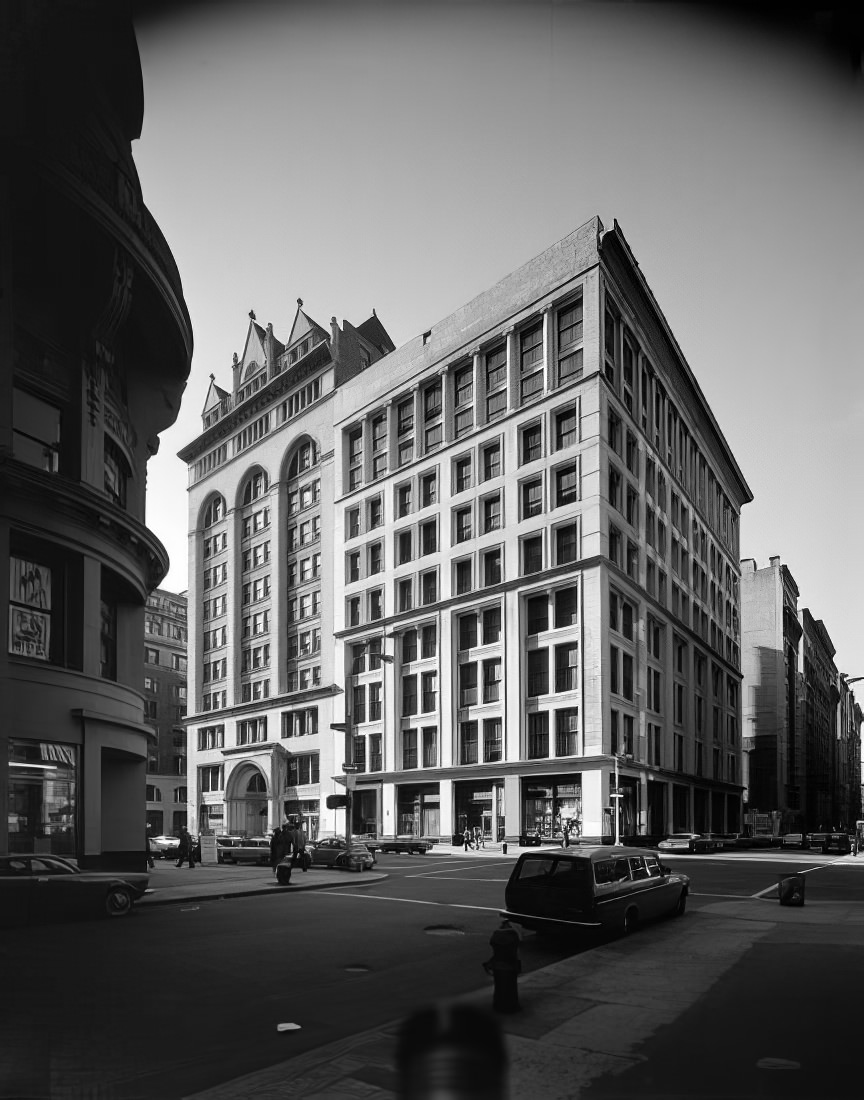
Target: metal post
x=617, y=806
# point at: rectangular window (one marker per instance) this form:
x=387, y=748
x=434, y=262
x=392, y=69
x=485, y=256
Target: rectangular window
x=492, y=513
x=462, y=474
x=492, y=743
x=566, y=544
x=430, y=746
x=491, y=454
x=567, y=731
x=468, y=743
x=566, y=485
x=468, y=684
x=409, y=647
x=429, y=587
x=491, y=625
x=537, y=614
x=403, y=499
x=566, y=607
x=569, y=335
x=566, y=429
x=491, y=681
x=409, y=749
x=463, y=387
x=532, y=555
x=428, y=641
x=496, y=382
x=468, y=631
x=409, y=695
x=428, y=490
x=538, y=736
x=463, y=576
x=429, y=537
x=463, y=524
x=566, y=667
x=531, y=361
x=538, y=672
x=492, y=568
x=532, y=497
x=35, y=431
x=531, y=443
x=429, y=691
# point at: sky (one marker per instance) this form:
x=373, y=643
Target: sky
x=406, y=156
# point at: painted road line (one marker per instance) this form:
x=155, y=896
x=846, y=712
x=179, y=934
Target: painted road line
x=416, y=901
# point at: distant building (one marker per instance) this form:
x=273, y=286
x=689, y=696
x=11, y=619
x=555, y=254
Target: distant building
x=774, y=744
x=502, y=560
x=95, y=346
x=848, y=809
x=165, y=711
x=818, y=698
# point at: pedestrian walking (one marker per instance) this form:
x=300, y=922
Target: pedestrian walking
x=185, y=851
x=150, y=863
x=478, y=837
x=466, y=839
x=277, y=847
x=298, y=848
x=566, y=836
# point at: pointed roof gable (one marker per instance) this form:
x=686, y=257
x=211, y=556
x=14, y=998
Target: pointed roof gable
x=215, y=396
x=373, y=331
x=304, y=326
x=254, y=353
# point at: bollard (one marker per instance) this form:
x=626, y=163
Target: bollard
x=790, y=890
x=283, y=873
x=504, y=966
x=504, y=848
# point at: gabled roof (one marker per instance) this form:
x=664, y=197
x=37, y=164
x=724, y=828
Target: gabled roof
x=215, y=396
x=373, y=331
x=304, y=326
x=255, y=350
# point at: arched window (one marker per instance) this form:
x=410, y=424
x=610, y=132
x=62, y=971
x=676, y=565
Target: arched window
x=153, y=794
x=215, y=511
x=252, y=368
x=256, y=486
x=179, y=794
x=304, y=458
x=256, y=785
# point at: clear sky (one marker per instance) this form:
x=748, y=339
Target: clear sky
x=405, y=156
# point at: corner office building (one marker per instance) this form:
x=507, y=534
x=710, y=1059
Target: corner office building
x=95, y=346
x=528, y=581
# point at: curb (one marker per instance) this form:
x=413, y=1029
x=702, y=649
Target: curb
x=273, y=889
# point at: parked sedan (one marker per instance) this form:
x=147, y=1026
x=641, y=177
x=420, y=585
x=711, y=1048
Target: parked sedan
x=691, y=842
x=164, y=847
x=38, y=888
x=333, y=852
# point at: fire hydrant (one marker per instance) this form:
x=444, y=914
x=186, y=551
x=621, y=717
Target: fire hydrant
x=504, y=966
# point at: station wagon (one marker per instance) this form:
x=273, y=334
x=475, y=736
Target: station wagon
x=598, y=887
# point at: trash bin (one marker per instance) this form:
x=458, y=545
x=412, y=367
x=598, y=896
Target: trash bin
x=790, y=890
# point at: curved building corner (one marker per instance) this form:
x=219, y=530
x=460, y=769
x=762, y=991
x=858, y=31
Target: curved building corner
x=96, y=349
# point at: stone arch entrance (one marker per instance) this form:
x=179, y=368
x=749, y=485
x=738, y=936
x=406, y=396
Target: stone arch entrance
x=246, y=799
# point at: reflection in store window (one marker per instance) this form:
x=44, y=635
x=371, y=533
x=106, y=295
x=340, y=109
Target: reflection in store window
x=43, y=797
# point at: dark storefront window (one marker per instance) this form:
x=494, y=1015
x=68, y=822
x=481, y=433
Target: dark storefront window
x=43, y=797
x=553, y=805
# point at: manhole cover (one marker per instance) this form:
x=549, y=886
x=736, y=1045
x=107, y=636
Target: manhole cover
x=444, y=930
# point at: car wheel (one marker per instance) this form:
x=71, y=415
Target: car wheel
x=631, y=921
x=118, y=901
x=421, y=852
x=681, y=905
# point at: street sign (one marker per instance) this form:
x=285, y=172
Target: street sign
x=613, y=795
x=350, y=767
x=339, y=726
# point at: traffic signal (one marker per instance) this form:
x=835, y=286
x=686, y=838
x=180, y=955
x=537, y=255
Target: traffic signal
x=337, y=801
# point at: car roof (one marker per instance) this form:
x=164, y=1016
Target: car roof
x=594, y=853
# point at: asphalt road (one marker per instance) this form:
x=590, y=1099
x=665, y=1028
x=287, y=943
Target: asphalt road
x=181, y=997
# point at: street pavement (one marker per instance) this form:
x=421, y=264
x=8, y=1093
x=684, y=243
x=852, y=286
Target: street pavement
x=611, y=1022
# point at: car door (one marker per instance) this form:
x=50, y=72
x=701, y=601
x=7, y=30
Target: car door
x=59, y=892
x=15, y=890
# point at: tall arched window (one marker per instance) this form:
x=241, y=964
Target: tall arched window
x=215, y=511
x=304, y=458
x=257, y=484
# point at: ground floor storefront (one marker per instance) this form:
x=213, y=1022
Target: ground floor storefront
x=545, y=805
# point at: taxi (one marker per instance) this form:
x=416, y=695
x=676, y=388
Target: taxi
x=603, y=887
